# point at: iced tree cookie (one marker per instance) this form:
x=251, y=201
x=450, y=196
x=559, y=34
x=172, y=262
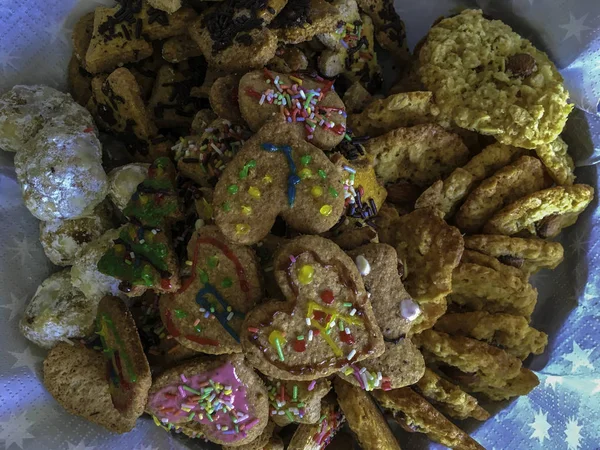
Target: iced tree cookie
x=129, y=374
x=177, y=398
x=301, y=338
x=277, y=173
x=206, y=314
x=310, y=104
x=502, y=85
x=58, y=312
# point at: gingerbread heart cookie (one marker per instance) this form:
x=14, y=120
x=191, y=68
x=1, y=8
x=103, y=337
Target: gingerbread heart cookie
x=327, y=322
x=277, y=172
x=207, y=312
x=310, y=104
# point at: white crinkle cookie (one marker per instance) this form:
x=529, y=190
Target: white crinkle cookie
x=123, y=182
x=57, y=312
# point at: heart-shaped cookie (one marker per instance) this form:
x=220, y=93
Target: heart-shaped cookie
x=206, y=314
x=277, y=172
x=327, y=322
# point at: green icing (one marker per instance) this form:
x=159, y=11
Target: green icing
x=115, y=265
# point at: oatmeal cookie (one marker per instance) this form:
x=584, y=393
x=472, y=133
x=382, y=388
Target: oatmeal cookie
x=501, y=84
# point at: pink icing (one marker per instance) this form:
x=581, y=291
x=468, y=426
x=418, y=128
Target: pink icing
x=218, y=394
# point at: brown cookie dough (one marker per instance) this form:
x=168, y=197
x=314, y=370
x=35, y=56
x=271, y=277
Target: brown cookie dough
x=288, y=59
x=414, y=413
x=81, y=37
x=516, y=180
x=364, y=418
x=80, y=82
x=319, y=435
x=543, y=213
x=449, y=398
x=290, y=340
x=206, y=314
x=277, y=172
x=512, y=333
x=223, y=98
x=296, y=401
x=318, y=111
x=179, y=48
x=129, y=374
x=420, y=154
x=356, y=99
x=529, y=255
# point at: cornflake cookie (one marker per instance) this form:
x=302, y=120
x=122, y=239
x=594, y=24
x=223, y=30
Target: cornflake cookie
x=301, y=20
x=420, y=154
x=502, y=85
x=415, y=414
x=516, y=180
x=296, y=401
x=478, y=284
x=429, y=250
x=317, y=436
x=364, y=418
x=488, y=364
x=63, y=240
x=557, y=161
x=129, y=374
x=400, y=365
x=57, y=312
x=203, y=158
x=543, y=213
x=315, y=107
x=522, y=384
x=449, y=398
x=398, y=110
x=254, y=189
x=389, y=28
x=379, y=267
x=290, y=340
x=512, y=333
x=76, y=377
x=206, y=314
x=529, y=255
x=177, y=399
x=446, y=196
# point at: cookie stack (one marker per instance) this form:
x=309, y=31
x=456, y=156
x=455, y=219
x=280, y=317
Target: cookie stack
x=284, y=232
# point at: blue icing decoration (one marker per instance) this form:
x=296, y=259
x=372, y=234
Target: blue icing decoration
x=293, y=178
x=202, y=300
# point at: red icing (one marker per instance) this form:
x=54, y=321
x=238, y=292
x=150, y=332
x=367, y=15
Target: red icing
x=347, y=338
x=327, y=297
x=300, y=346
x=165, y=283
x=176, y=333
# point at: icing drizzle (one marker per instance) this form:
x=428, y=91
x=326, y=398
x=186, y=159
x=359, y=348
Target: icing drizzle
x=293, y=178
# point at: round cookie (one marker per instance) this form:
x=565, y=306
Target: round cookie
x=315, y=107
x=25, y=110
x=60, y=172
x=301, y=338
x=364, y=418
x=64, y=240
x=177, y=398
x=206, y=314
x=123, y=182
x=58, y=312
x=129, y=374
x=277, y=173
x=502, y=85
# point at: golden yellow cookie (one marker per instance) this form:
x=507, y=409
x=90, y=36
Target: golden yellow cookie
x=356, y=98
x=501, y=84
x=449, y=398
x=301, y=20
x=529, y=255
x=516, y=180
x=416, y=414
x=522, y=384
x=512, y=333
x=420, y=154
x=364, y=418
x=489, y=364
x=543, y=213
x=446, y=195
x=557, y=160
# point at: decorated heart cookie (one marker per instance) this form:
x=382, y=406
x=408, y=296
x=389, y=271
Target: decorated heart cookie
x=327, y=322
x=277, y=172
x=207, y=312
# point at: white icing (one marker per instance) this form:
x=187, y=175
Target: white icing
x=363, y=265
x=409, y=309
x=123, y=182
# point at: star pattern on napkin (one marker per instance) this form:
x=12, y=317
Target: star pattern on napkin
x=575, y=27
x=80, y=446
x=572, y=433
x=26, y=359
x=21, y=249
x=15, y=430
x=540, y=426
x=16, y=306
x=579, y=357
x=552, y=381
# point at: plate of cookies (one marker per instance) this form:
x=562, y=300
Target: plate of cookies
x=277, y=224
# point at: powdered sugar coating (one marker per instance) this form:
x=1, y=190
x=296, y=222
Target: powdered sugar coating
x=61, y=174
x=123, y=182
x=58, y=311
